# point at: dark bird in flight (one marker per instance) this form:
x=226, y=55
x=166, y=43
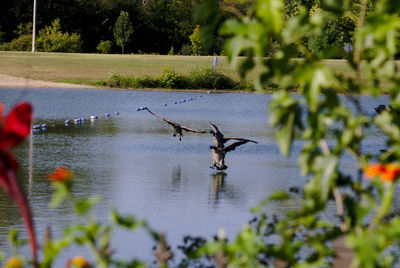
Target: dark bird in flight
x=219, y=150
x=380, y=108
x=177, y=127
x=219, y=138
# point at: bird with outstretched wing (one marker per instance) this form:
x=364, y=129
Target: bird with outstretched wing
x=219, y=138
x=219, y=150
x=176, y=127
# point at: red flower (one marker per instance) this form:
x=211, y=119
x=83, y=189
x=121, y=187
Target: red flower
x=61, y=174
x=13, y=130
x=387, y=172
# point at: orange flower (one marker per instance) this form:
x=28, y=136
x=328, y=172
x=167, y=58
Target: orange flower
x=13, y=262
x=79, y=262
x=373, y=170
x=390, y=172
x=387, y=172
x=61, y=174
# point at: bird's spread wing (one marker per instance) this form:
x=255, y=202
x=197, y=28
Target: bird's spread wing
x=233, y=146
x=225, y=139
x=214, y=128
x=218, y=136
x=162, y=118
x=192, y=130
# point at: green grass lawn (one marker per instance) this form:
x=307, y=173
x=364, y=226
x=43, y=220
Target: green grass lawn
x=86, y=68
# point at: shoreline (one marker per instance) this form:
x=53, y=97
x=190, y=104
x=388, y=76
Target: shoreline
x=13, y=81
x=21, y=82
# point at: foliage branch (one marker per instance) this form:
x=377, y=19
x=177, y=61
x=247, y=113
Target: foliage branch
x=329, y=131
x=363, y=209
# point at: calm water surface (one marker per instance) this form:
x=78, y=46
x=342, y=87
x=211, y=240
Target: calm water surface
x=135, y=164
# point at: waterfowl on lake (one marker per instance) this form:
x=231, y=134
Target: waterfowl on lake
x=219, y=150
x=177, y=127
x=218, y=154
x=219, y=138
x=382, y=107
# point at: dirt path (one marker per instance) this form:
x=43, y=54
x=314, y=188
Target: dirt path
x=11, y=81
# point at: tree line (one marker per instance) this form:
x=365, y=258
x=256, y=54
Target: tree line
x=156, y=26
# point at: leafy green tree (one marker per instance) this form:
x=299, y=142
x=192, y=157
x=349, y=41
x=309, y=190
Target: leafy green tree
x=24, y=40
x=123, y=30
x=52, y=39
x=195, y=41
x=104, y=47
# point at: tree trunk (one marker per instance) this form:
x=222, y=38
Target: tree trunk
x=122, y=49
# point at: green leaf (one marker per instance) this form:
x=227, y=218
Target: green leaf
x=318, y=188
x=60, y=194
x=270, y=12
x=83, y=206
x=284, y=135
x=128, y=222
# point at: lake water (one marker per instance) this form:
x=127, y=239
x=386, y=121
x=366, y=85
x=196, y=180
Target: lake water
x=136, y=165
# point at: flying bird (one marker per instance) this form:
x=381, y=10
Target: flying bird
x=177, y=127
x=219, y=150
x=219, y=138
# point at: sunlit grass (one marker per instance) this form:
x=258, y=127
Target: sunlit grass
x=87, y=68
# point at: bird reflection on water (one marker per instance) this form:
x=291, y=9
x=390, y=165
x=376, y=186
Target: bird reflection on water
x=176, y=175
x=217, y=186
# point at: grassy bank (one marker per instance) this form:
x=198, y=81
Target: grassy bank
x=88, y=68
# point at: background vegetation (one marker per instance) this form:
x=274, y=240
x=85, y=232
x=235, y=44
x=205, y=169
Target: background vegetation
x=329, y=130
x=160, y=26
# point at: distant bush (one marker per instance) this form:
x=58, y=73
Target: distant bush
x=195, y=40
x=203, y=78
x=170, y=79
x=171, y=51
x=186, y=50
x=210, y=78
x=24, y=40
x=52, y=39
x=104, y=47
x=22, y=43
